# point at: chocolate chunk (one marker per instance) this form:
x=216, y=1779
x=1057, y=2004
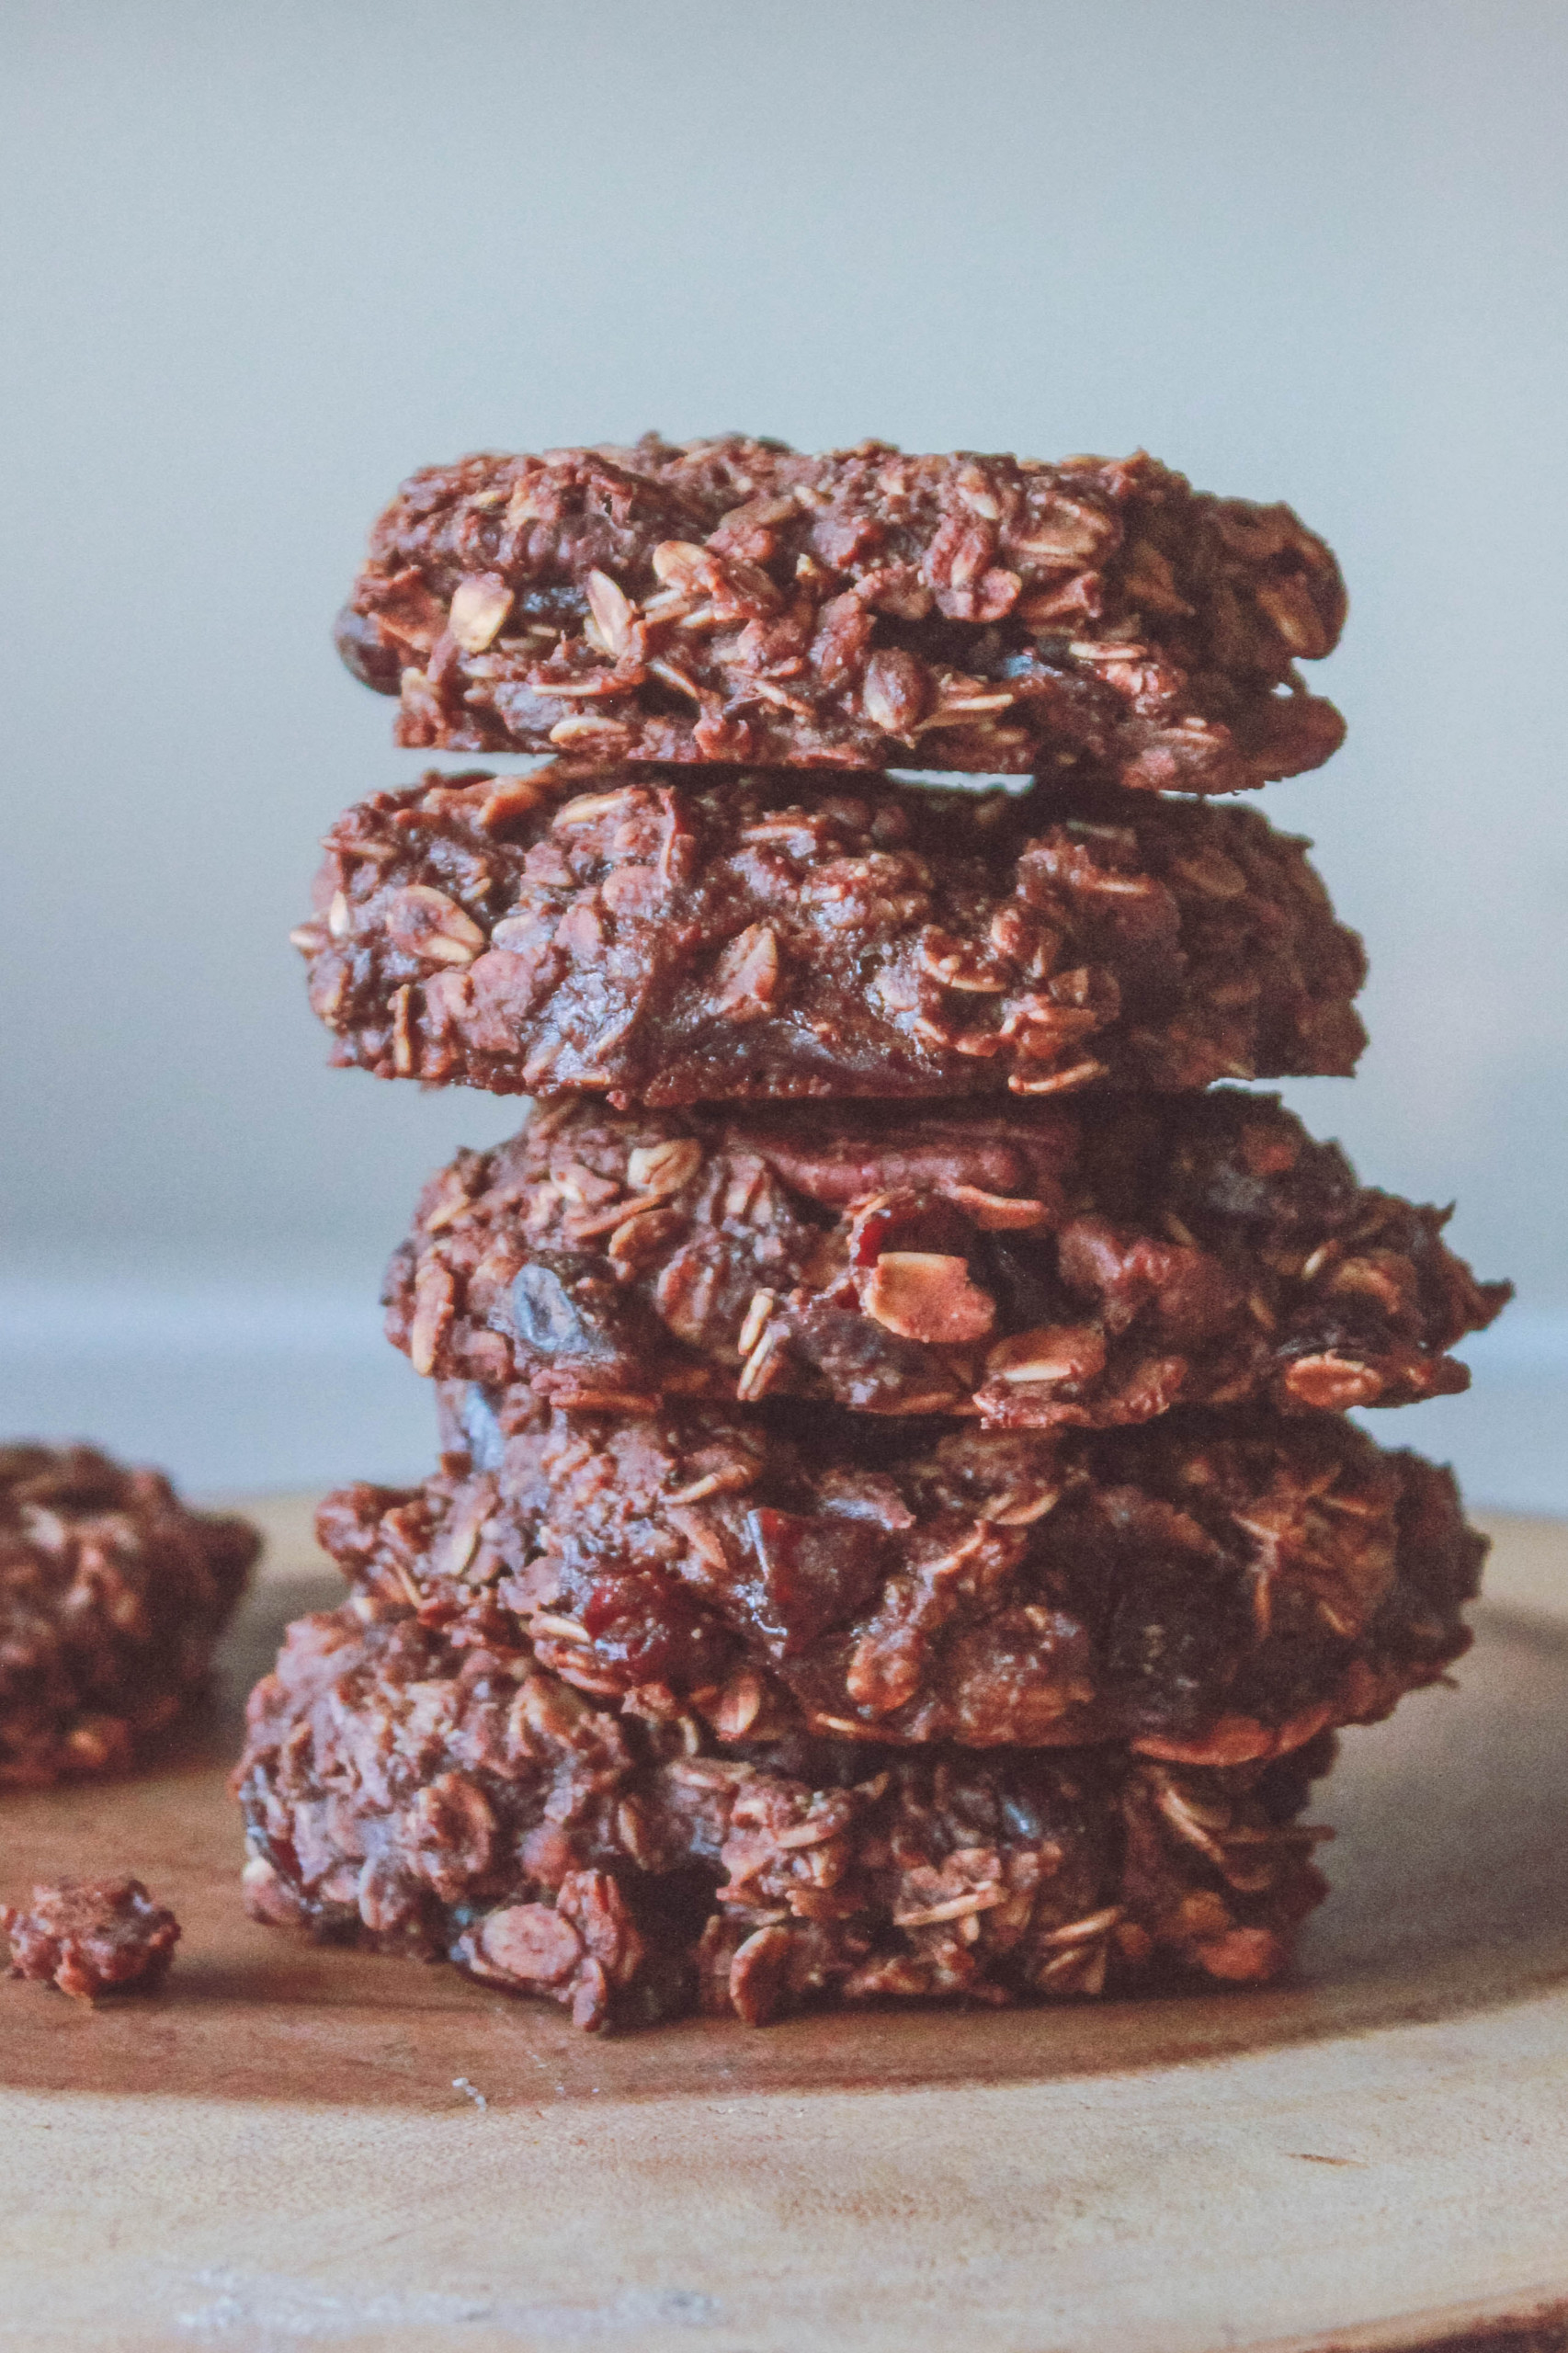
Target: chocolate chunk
x=587, y=1335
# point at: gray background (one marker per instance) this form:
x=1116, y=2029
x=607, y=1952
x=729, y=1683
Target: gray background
x=257, y=263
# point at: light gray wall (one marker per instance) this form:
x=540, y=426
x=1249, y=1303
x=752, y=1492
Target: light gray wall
x=256, y=262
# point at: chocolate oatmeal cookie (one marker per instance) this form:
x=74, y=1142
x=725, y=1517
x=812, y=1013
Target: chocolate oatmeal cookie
x=759, y=937
x=112, y=1595
x=91, y=1937
x=1209, y=1588
x=1092, y=1262
x=734, y=601
x=403, y=1793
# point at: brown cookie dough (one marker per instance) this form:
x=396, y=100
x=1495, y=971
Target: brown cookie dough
x=760, y=936
x=91, y=1937
x=734, y=601
x=1208, y=1587
x=1092, y=1262
x=401, y=1792
x=112, y=1595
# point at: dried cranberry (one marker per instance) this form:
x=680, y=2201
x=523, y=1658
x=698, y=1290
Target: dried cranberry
x=647, y=1625
x=813, y=1572
x=908, y=1220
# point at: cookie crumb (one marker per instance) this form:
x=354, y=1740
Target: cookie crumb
x=91, y=1937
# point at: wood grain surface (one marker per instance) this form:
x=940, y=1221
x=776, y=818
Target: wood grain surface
x=295, y=2144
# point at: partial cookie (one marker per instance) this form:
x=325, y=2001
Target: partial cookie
x=734, y=601
x=112, y=1595
x=1208, y=1587
x=1038, y=1264
x=91, y=1937
x=403, y=1793
x=759, y=937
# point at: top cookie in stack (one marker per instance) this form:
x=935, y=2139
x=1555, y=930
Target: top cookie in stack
x=934, y=1481
x=734, y=601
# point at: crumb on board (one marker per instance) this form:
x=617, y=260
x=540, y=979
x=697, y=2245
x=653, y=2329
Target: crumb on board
x=91, y=1937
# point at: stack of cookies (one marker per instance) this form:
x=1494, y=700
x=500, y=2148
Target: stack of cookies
x=898, y=1531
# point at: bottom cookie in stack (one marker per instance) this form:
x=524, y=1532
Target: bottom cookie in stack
x=409, y=1794
x=693, y=1710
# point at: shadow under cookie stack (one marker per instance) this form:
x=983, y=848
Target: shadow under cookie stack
x=898, y=1531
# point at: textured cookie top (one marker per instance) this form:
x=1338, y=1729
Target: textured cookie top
x=1094, y=1261
x=1210, y=1588
x=68, y=1512
x=770, y=934
x=734, y=601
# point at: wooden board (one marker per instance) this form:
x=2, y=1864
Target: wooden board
x=280, y=2148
